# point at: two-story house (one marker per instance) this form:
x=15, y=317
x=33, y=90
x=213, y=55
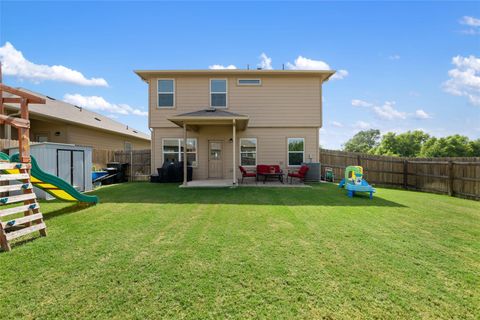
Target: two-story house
x=234, y=117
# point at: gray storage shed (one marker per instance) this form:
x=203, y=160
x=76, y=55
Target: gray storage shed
x=69, y=162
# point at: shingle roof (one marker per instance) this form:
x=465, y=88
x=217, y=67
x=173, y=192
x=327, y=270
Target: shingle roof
x=66, y=112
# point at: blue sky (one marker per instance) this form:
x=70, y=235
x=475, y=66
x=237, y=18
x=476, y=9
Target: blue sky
x=407, y=65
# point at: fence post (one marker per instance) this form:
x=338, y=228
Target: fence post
x=450, y=178
x=405, y=174
x=131, y=165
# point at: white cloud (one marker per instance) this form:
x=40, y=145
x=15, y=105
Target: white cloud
x=388, y=112
x=362, y=125
x=470, y=21
x=337, y=124
x=97, y=103
x=15, y=64
x=421, y=114
x=340, y=74
x=465, y=79
x=361, y=103
x=394, y=57
x=302, y=63
x=219, y=67
x=265, y=62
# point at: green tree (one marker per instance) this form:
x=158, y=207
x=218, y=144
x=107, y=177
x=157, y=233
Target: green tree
x=407, y=144
x=451, y=146
x=363, y=141
x=475, y=147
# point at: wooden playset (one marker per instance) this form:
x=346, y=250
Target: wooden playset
x=25, y=202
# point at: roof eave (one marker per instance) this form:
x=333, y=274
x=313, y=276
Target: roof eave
x=145, y=75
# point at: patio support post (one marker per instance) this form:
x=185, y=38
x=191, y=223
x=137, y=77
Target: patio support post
x=184, y=154
x=234, y=147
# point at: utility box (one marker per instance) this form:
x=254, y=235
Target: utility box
x=313, y=174
x=69, y=162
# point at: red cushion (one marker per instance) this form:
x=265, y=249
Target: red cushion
x=295, y=175
x=303, y=170
x=245, y=173
x=265, y=168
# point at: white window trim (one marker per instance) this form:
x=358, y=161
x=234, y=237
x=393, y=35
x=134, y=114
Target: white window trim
x=179, y=140
x=226, y=93
x=158, y=93
x=302, y=152
x=240, y=152
x=249, y=84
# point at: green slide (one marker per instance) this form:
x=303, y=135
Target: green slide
x=55, y=186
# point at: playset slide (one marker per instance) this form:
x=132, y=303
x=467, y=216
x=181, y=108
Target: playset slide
x=55, y=186
x=354, y=182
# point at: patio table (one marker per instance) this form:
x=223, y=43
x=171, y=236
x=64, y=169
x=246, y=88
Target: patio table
x=266, y=175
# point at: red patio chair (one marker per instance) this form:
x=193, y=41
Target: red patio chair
x=300, y=174
x=246, y=174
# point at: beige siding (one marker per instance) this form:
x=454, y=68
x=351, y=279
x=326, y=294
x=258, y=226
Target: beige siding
x=271, y=145
x=55, y=132
x=278, y=102
x=67, y=133
x=102, y=140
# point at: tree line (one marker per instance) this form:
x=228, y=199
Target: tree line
x=412, y=144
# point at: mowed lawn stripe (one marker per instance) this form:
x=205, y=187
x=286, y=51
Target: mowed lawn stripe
x=157, y=251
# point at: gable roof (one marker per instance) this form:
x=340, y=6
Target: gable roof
x=65, y=112
x=210, y=116
x=324, y=75
x=211, y=112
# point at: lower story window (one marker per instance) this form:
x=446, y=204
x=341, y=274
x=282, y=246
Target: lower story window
x=296, y=151
x=248, y=151
x=173, y=151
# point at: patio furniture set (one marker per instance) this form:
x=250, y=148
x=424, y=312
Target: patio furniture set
x=273, y=172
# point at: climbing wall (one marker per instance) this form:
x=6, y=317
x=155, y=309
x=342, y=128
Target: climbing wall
x=12, y=224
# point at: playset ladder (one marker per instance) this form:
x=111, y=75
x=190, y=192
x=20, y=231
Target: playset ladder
x=26, y=202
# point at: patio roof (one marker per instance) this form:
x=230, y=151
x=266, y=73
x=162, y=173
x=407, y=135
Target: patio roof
x=210, y=116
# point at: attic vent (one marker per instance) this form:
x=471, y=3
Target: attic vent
x=51, y=98
x=80, y=108
x=135, y=131
x=97, y=119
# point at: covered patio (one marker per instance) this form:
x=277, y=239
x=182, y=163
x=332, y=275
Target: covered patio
x=192, y=121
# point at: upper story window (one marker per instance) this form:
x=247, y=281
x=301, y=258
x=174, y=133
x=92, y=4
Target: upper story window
x=218, y=93
x=249, y=82
x=166, y=93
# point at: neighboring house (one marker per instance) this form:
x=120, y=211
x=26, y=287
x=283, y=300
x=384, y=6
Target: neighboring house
x=234, y=117
x=61, y=122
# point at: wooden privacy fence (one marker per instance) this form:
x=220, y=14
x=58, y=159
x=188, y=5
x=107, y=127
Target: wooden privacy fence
x=138, y=163
x=453, y=176
x=100, y=158
x=7, y=143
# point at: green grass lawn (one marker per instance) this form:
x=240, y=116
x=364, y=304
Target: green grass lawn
x=157, y=251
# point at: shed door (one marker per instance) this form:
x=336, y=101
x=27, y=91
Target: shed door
x=71, y=167
x=64, y=165
x=78, y=170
